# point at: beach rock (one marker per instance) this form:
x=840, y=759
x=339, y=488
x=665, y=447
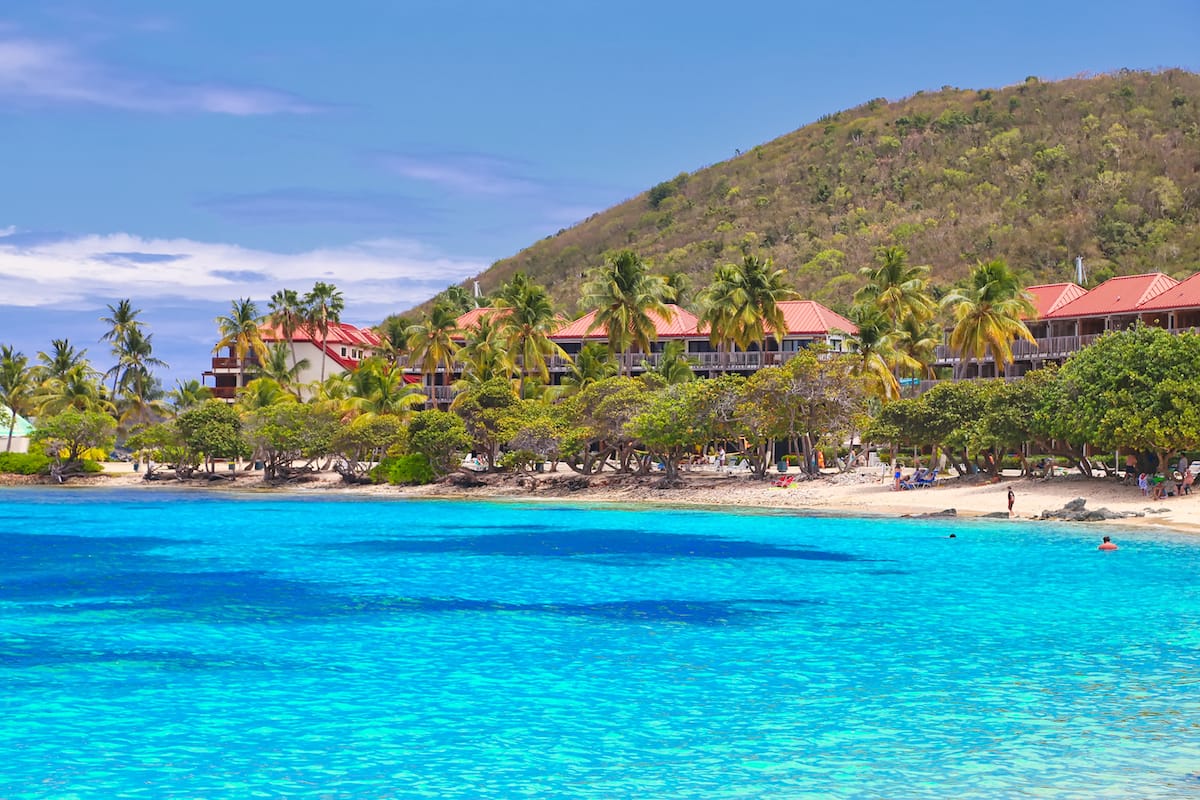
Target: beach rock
x=996, y=515
x=1074, y=511
x=946, y=512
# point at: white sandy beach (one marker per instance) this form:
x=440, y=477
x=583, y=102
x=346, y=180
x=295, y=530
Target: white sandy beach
x=861, y=492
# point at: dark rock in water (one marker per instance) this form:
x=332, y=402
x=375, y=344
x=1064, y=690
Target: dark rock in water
x=948, y=512
x=996, y=515
x=1074, y=511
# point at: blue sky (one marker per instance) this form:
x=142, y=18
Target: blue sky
x=185, y=154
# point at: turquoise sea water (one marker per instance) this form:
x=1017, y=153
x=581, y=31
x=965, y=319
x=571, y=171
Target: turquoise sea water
x=166, y=645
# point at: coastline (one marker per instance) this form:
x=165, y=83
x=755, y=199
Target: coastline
x=860, y=493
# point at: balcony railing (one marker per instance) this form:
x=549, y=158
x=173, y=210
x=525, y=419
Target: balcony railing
x=1049, y=347
x=224, y=392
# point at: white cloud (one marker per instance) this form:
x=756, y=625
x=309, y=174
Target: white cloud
x=54, y=72
x=470, y=174
x=86, y=271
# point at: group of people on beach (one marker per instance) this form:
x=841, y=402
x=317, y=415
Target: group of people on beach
x=1156, y=486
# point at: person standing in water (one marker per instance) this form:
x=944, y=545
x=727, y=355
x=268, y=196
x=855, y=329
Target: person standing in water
x=1107, y=544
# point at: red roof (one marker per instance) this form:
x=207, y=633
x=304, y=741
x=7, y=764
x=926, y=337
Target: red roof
x=471, y=319
x=1181, y=295
x=806, y=317
x=1123, y=295
x=339, y=333
x=1049, y=297
x=680, y=323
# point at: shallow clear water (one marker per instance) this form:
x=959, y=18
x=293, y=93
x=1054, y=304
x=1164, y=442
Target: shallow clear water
x=188, y=645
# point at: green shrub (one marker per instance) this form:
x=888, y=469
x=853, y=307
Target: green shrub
x=24, y=463
x=92, y=466
x=410, y=470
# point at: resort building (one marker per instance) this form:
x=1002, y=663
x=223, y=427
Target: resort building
x=22, y=431
x=341, y=350
x=807, y=323
x=1070, y=318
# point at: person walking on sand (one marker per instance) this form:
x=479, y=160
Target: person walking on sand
x=1011, y=498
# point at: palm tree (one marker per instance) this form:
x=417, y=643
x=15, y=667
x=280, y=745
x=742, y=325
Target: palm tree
x=393, y=338
x=916, y=341
x=484, y=355
x=526, y=321
x=61, y=358
x=431, y=342
x=896, y=288
x=384, y=391
x=187, y=394
x=17, y=384
x=742, y=302
x=591, y=365
x=624, y=297
x=988, y=314
x=121, y=320
x=275, y=366
x=874, y=349
x=323, y=307
x=720, y=303
x=77, y=389
x=260, y=393
x=287, y=314
x=240, y=331
x=674, y=366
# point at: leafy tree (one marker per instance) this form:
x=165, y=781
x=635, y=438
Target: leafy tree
x=212, y=430
x=162, y=443
x=240, y=331
x=626, y=299
x=491, y=414
x=599, y=416
x=364, y=442
x=677, y=420
x=284, y=433
x=537, y=435
x=76, y=389
x=323, y=306
x=1133, y=390
x=457, y=298
x=261, y=393
x=440, y=436
x=70, y=434
x=17, y=384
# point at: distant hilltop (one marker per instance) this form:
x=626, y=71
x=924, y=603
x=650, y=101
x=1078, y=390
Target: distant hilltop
x=1104, y=167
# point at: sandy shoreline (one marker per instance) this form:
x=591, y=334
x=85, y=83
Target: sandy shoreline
x=851, y=494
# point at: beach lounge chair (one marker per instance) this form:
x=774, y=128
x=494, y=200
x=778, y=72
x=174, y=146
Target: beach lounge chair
x=926, y=480
x=914, y=480
x=784, y=481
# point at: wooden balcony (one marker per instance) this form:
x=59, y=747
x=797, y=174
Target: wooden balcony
x=224, y=392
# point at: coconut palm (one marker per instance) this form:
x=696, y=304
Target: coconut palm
x=187, y=394
x=323, y=307
x=61, y=358
x=526, y=320
x=121, y=320
x=431, y=342
x=18, y=381
x=240, y=331
x=720, y=302
x=916, y=341
x=624, y=297
x=484, y=355
x=276, y=367
x=742, y=302
x=260, y=393
x=76, y=389
x=896, y=288
x=393, y=338
x=673, y=366
x=383, y=391
x=874, y=351
x=989, y=313
x=591, y=365
x=286, y=313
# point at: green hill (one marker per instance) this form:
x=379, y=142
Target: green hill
x=1105, y=167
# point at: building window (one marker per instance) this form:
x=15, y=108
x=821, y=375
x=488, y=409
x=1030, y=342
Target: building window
x=343, y=352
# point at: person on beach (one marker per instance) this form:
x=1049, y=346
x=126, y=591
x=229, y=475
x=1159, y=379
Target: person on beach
x=896, y=477
x=1011, y=499
x=1107, y=544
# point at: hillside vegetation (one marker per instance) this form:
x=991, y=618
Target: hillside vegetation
x=1104, y=167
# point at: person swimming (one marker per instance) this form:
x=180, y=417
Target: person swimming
x=1107, y=544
